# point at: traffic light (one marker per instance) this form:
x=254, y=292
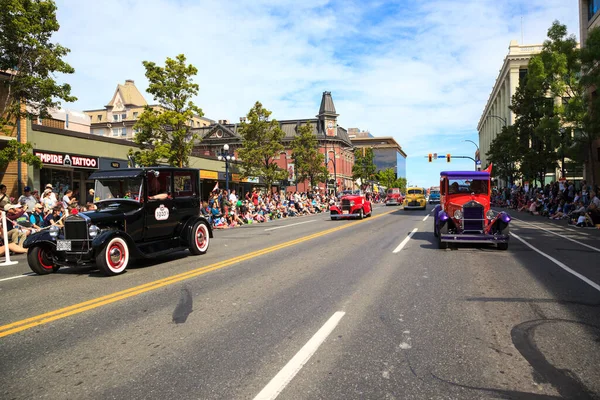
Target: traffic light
x=447, y=157
x=430, y=157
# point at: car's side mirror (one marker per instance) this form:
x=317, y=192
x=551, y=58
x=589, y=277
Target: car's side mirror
x=156, y=174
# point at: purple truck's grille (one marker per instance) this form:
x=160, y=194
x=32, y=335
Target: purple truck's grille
x=473, y=217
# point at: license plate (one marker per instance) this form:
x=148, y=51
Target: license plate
x=345, y=212
x=63, y=245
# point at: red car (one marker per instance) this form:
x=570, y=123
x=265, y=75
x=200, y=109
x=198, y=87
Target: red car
x=464, y=213
x=351, y=205
x=394, y=197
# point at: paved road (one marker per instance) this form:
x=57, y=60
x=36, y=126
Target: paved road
x=316, y=309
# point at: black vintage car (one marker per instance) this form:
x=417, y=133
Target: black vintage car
x=141, y=213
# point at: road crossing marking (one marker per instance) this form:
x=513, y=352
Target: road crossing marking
x=286, y=226
x=287, y=373
x=558, y=234
x=560, y=264
x=425, y=219
x=401, y=245
x=45, y=318
x=18, y=276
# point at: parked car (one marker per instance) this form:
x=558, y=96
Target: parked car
x=351, y=205
x=415, y=198
x=464, y=213
x=141, y=213
x=394, y=197
x=434, y=196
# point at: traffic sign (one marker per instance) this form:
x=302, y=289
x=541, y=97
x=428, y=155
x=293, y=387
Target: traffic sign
x=478, y=162
x=434, y=156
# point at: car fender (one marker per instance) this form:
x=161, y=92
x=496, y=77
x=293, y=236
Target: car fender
x=99, y=241
x=38, y=238
x=186, y=232
x=440, y=216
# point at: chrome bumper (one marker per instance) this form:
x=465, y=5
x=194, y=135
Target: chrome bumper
x=474, y=238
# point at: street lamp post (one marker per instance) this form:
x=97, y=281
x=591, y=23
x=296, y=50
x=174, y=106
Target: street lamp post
x=499, y=117
x=226, y=156
x=467, y=140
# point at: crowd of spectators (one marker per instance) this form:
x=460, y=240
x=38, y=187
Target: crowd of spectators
x=226, y=210
x=580, y=205
x=33, y=212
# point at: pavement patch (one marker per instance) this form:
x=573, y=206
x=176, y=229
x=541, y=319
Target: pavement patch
x=42, y=319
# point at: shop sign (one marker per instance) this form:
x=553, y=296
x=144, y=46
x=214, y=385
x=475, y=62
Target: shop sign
x=115, y=164
x=235, y=177
x=251, y=179
x=67, y=160
x=209, y=174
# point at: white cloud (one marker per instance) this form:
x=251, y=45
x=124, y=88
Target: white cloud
x=399, y=69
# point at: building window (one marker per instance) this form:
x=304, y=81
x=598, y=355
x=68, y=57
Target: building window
x=99, y=117
x=522, y=74
x=135, y=115
x=123, y=116
x=116, y=117
x=593, y=8
x=123, y=131
x=115, y=131
x=99, y=131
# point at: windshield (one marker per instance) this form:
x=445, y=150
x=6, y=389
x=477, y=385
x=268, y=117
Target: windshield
x=393, y=191
x=467, y=186
x=126, y=188
x=435, y=193
x=415, y=191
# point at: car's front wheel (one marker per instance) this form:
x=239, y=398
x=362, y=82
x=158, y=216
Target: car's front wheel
x=114, y=257
x=40, y=260
x=361, y=214
x=442, y=231
x=200, y=238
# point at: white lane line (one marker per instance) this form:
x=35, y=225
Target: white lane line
x=18, y=276
x=401, y=245
x=563, y=266
x=287, y=226
x=558, y=234
x=285, y=376
x=425, y=219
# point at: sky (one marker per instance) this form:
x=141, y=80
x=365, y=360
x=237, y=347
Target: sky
x=420, y=71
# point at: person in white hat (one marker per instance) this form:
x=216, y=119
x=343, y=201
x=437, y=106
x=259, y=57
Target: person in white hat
x=49, y=199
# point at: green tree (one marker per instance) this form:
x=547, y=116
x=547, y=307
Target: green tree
x=165, y=132
x=305, y=152
x=30, y=61
x=364, y=166
x=589, y=100
x=261, y=142
x=562, y=67
x=401, y=184
x=387, y=177
x=534, y=122
x=505, y=153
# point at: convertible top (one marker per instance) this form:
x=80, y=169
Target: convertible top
x=466, y=174
x=117, y=173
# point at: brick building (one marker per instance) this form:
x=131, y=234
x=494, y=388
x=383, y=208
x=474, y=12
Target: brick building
x=334, y=143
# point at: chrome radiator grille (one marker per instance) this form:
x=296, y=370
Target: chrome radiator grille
x=345, y=205
x=473, y=218
x=76, y=229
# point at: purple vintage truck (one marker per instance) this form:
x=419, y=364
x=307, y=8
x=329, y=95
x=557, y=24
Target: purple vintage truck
x=464, y=214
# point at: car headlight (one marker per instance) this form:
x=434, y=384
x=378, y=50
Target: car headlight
x=53, y=231
x=458, y=214
x=351, y=202
x=490, y=214
x=93, y=231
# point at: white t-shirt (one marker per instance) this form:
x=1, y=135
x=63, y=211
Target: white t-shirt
x=66, y=201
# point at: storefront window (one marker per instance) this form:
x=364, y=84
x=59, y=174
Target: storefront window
x=60, y=179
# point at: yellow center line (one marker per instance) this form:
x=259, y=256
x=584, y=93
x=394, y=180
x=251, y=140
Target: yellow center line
x=24, y=324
